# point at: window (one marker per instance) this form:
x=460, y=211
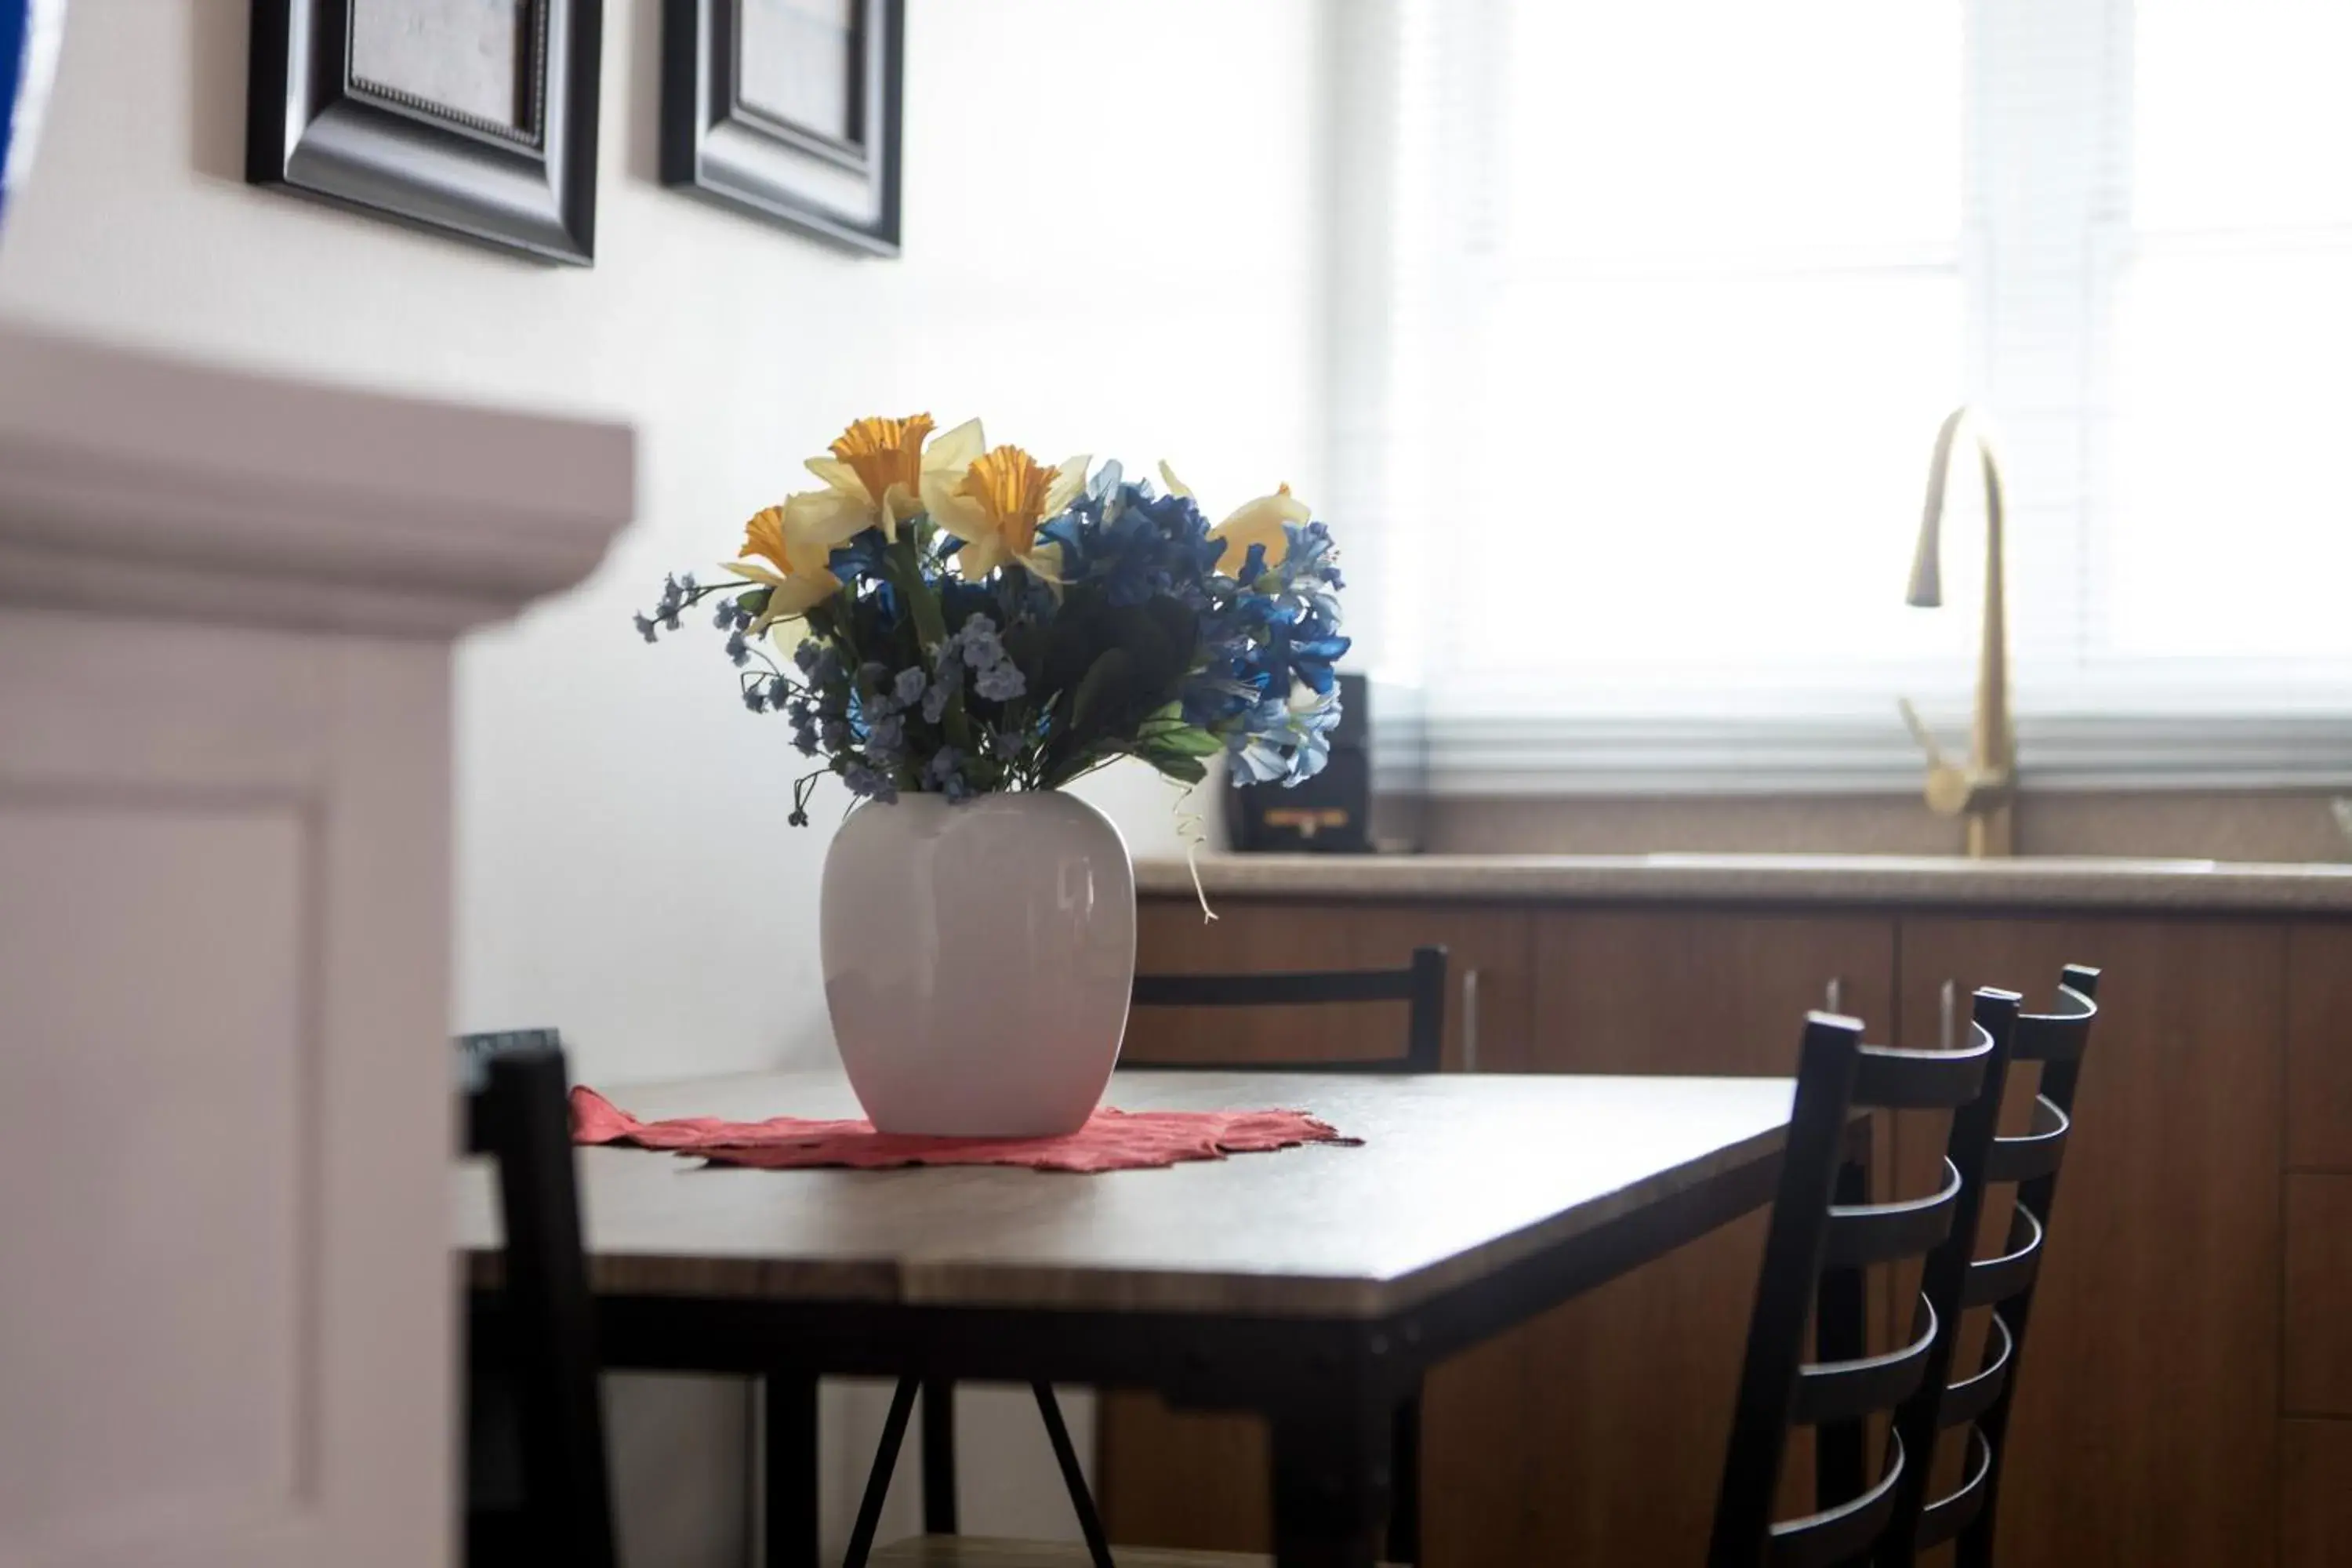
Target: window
x=1669, y=300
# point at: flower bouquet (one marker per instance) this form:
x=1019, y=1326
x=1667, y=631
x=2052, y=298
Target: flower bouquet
x=970, y=631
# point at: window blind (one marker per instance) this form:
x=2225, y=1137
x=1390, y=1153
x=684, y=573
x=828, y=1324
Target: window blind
x=1672, y=297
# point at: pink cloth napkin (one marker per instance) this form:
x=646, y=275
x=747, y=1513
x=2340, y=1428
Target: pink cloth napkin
x=1111, y=1140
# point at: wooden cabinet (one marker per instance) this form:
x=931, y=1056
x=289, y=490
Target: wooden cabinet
x=2315, y=1494
x=2319, y=1049
x=2185, y=1395
x=2146, y=1423
x=1199, y=1480
x=2319, y=1295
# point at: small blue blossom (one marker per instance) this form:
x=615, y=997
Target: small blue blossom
x=1000, y=682
x=755, y=698
x=981, y=646
x=739, y=650
x=807, y=653
x=645, y=629
x=887, y=734
x=864, y=780
x=835, y=734
x=945, y=683
x=945, y=773
x=906, y=690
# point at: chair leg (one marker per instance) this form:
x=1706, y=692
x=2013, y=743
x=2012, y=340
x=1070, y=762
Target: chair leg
x=877, y=1479
x=1405, y=1482
x=939, y=1457
x=788, y=1473
x=1067, y=1455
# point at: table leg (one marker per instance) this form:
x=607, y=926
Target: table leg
x=788, y=1473
x=1330, y=1487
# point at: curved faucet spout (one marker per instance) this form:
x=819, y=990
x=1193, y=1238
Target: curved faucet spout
x=1983, y=791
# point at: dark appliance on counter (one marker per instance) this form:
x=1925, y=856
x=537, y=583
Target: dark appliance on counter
x=1330, y=812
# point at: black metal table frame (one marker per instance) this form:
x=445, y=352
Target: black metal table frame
x=1327, y=1386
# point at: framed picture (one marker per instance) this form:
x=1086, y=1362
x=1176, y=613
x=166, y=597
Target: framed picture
x=789, y=109
x=478, y=117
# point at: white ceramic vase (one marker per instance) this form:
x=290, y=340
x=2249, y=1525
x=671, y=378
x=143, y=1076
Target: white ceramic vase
x=978, y=960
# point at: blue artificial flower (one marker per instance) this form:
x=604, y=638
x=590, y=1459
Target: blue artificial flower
x=1000, y=682
x=645, y=629
x=859, y=559
x=906, y=690
x=887, y=734
x=755, y=698
x=835, y=734
x=738, y=649
x=978, y=644
x=864, y=780
x=945, y=773
x=807, y=653
x=1285, y=742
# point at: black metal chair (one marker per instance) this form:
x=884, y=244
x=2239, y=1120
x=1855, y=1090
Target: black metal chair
x=1420, y=985
x=538, y=1489
x=1818, y=1236
x=2057, y=1041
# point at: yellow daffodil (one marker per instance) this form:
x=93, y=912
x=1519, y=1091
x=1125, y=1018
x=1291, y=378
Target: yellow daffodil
x=875, y=477
x=1260, y=521
x=995, y=504
x=795, y=572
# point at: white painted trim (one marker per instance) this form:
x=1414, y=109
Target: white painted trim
x=143, y=486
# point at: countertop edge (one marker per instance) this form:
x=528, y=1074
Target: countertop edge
x=2156, y=886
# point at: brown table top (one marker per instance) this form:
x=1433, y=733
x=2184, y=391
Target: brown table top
x=1458, y=1176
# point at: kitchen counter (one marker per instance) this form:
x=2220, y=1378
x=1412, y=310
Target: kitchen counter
x=1880, y=880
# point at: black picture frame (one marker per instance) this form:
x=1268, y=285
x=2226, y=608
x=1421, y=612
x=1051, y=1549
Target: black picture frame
x=316, y=128
x=717, y=144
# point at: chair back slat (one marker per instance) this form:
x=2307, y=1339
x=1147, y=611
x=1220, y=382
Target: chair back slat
x=1923, y=1081
x=2034, y=1153
x=1973, y=1395
x=1948, y=1515
x=1849, y=1390
x=1838, y=1536
x=2006, y=1275
x=1420, y=984
x=2062, y=1035
x=1863, y=1233
x=518, y=1111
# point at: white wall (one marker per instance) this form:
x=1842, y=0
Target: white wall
x=1111, y=215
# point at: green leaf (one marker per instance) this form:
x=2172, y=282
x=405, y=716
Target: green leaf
x=1106, y=688
x=1191, y=770
x=1187, y=739
x=905, y=574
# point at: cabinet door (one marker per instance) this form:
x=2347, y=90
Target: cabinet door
x=1166, y=1479
x=2318, y=1062
x=1632, y=1384
x=2146, y=1423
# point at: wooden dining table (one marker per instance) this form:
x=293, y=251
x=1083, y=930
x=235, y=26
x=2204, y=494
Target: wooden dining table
x=1314, y=1286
